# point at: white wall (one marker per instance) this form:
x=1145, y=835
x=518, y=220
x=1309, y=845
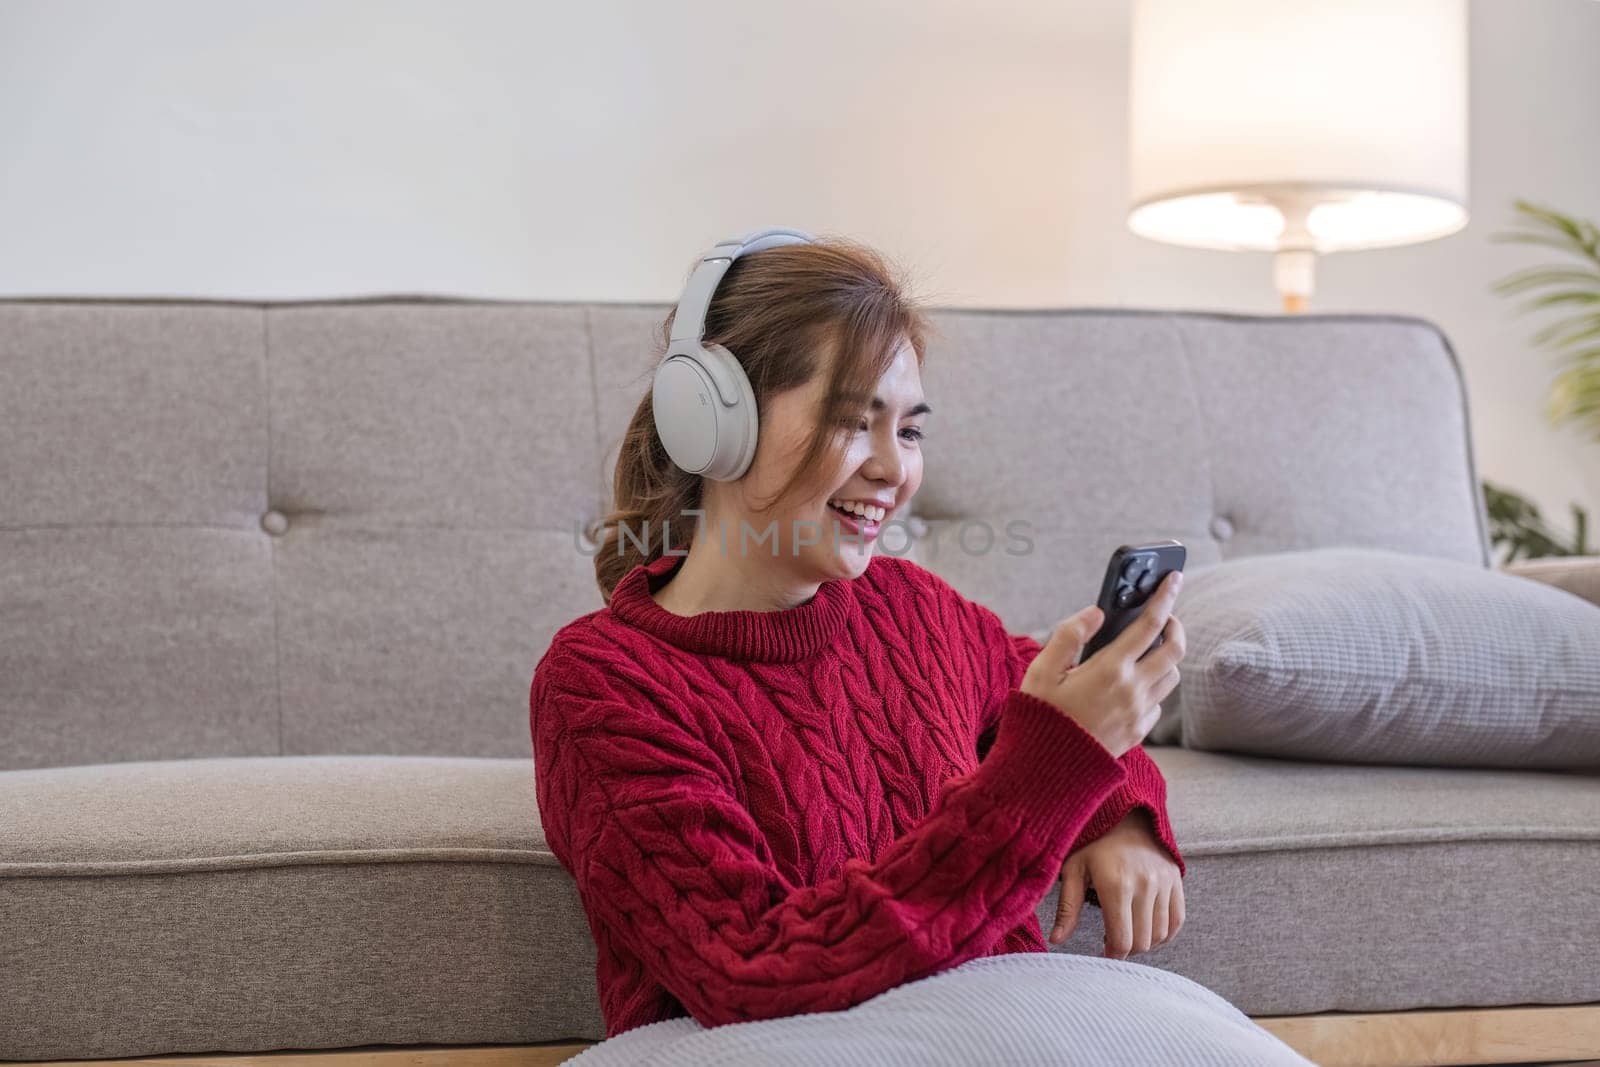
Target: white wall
x=588, y=151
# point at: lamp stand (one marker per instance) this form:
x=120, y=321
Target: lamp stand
x=1294, y=266
x=1294, y=273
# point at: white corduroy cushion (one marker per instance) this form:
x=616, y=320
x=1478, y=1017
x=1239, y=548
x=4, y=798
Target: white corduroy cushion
x=1371, y=656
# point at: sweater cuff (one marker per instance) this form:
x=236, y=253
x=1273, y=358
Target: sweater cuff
x=1047, y=766
x=1144, y=788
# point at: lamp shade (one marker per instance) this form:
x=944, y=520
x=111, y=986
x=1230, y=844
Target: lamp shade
x=1307, y=125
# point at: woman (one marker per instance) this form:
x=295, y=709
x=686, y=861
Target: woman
x=789, y=773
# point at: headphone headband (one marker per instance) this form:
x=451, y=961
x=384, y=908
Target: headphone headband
x=689, y=321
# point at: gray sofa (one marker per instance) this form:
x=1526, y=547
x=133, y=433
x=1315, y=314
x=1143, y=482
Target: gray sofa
x=274, y=578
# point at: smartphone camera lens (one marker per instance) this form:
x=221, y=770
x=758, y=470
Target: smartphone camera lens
x=1124, y=595
x=1147, y=582
x=1134, y=567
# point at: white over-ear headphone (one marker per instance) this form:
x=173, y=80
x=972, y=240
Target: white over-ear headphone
x=705, y=410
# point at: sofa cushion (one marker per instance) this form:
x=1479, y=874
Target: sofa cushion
x=333, y=901
x=1367, y=655
x=349, y=525
x=284, y=902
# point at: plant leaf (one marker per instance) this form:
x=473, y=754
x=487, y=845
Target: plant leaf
x=1565, y=296
x=1544, y=240
x=1574, y=391
x=1534, y=277
x=1553, y=219
x=1557, y=335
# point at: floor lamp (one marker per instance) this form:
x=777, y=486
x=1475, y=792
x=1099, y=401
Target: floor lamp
x=1298, y=127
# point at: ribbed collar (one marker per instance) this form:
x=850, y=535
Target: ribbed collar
x=780, y=636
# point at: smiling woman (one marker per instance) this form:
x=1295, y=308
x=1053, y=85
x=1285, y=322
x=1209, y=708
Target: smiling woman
x=786, y=772
x=832, y=351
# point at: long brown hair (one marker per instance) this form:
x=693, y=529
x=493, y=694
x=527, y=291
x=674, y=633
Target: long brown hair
x=776, y=310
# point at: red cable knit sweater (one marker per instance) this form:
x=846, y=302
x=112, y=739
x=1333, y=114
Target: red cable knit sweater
x=770, y=813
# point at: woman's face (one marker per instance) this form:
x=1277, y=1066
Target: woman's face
x=833, y=533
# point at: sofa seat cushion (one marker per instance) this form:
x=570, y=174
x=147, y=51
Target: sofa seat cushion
x=1317, y=887
x=249, y=904
x=231, y=813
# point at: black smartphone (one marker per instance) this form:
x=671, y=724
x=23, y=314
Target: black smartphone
x=1132, y=577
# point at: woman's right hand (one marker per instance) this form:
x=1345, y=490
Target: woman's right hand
x=1114, y=695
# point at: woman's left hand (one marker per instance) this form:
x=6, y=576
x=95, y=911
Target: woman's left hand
x=1139, y=886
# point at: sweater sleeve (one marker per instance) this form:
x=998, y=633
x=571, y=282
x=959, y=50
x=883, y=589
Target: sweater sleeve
x=1144, y=786
x=673, y=866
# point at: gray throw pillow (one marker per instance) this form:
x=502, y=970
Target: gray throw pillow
x=1363, y=655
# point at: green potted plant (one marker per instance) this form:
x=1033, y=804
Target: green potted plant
x=1515, y=523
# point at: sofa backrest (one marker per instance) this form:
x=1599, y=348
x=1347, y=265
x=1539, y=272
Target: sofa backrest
x=233, y=529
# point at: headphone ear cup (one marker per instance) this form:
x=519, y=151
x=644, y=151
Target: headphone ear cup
x=701, y=433
x=738, y=425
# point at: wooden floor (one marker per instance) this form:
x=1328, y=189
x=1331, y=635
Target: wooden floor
x=1566, y=1036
